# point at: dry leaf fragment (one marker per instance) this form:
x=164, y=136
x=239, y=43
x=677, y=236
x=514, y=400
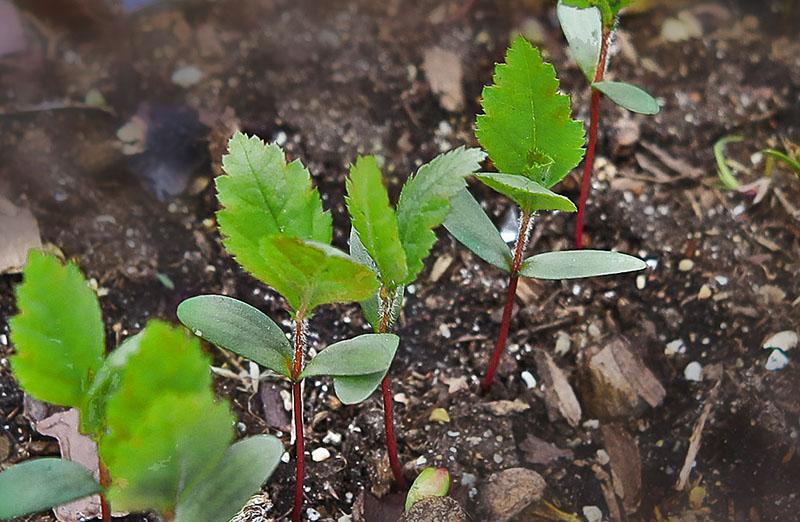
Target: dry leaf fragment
x=19, y=233
x=445, y=76
x=560, y=399
x=626, y=464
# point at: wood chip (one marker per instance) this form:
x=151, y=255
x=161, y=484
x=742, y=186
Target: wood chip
x=695, y=439
x=445, y=76
x=538, y=451
x=626, y=464
x=559, y=396
x=19, y=233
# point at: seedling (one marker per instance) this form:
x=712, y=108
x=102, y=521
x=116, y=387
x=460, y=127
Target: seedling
x=272, y=222
x=589, y=27
x=163, y=439
x=527, y=130
x=726, y=176
x=394, y=244
x=431, y=482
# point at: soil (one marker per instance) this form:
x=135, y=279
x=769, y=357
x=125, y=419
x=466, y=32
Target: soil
x=331, y=80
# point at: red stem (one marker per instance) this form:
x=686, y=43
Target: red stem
x=519, y=250
x=297, y=395
x=299, y=450
x=588, y=165
x=388, y=399
x=105, y=482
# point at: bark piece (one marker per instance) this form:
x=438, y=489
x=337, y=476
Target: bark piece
x=626, y=465
x=615, y=382
x=445, y=76
x=559, y=396
x=19, y=233
x=508, y=492
x=538, y=451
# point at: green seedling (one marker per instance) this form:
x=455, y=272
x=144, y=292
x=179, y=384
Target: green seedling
x=164, y=442
x=431, y=482
x=527, y=130
x=726, y=176
x=394, y=243
x=793, y=162
x=589, y=27
x=271, y=220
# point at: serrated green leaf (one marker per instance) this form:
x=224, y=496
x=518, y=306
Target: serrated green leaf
x=577, y=264
x=310, y=274
x=375, y=221
x=58, y=332
x=173, y=440
x=470, y=225
x=583, y=29
x=105, y=384
x=526, y=119
x=628, y=96
x=365, y=354
x=727, y=178
x=529, y=195
x=36, y=485
x=352, y=389
x=240, y=328
x=261, y=195
x=431, y=482
x=425, y=202
x=168, y=360
x=245, y=466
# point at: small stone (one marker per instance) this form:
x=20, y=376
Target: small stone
x=685, y=265
x=777, y=361
x=602, y=457
x=313, y=514
x=641, y=282
x=563, y=343
x=320, y=454
x=704, y=293
x=332, y=438
x=439, y=415
x=506, y=493
x=675, y=347
x=187, y=76
x=785, y=340
x=592, y=514
x=529, y=379
x=693, y=372
x=505, y=407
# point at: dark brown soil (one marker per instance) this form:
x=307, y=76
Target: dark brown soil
x=335, y=79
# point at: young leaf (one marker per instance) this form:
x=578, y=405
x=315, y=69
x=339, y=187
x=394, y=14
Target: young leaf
x=310, y=274
x=529, y=195
x=105, y=383
x=583, y=29
x=36, y=485
x=58, y=332
x=261, y=195
x=727, y=178
x=782, y=156
x=470, y=225
x=372, y=305
x=227, y=487
x=167, y=360
x=374, y=219
x=424, y=202
x=171, y=441
x=365, y=354
x=240, y=328
x=352, y=389
x=526, y=121
x=576, y=264
x=628, y=97
x=608, y=8
x=431, y=482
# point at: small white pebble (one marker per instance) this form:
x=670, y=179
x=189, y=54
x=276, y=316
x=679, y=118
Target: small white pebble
x=785, y=340
x=592, y=514
x=285, y=457
x=722, y=280
x=641, y=281
x=421, y=460
x=675, y=347
x=332, y=438
x=320, y=454
x=187, y=76
x=777, y=361
x=704, y=292
x=693, y=372
x=563, y=343
x=602, y=457
x=685, y=265
x=313, y=514
x=444, y=331
x=530, y=380
x=591, y=424
x=497, y=458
